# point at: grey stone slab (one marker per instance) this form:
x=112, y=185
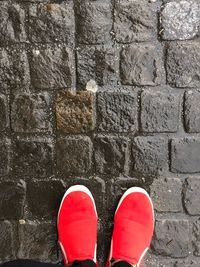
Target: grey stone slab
x=134, y=21
x=117, y=112
x=185, y=156
x=182, y=64
x=171, y=238
x=180, y=20
x=166, y=195
x=12, y=199
x=74, y=155
x=160, y=111
x=150, y=154
x=141, y=64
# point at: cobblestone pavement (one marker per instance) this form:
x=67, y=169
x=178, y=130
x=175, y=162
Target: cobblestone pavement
x=141, y=128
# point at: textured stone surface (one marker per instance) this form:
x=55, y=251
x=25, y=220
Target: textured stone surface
x=99, y=63
x=49, y=195
x=12, y=23
x=4, y=156
x=152, y=260
x=74, y=155
x=141, y=64
x=14, y=69
x=159, y=111
x=171, y=238
x=111, y=154
x=134, y=21
x=3, y=113
x=93, y=21
x=180, y=20
x=33, y=157
x=52, y=68
x=192, y=111
x=75, y=112
x=191, y=196
x=51, y=22
x=103, y=93
x=196, y=237
x=158, y=262
x=150, y=155
x=183, y=64
x=31, y=113
x=187, y=263
x=117, y=112
x=166, y=195
x=185, y=155
x=6, y=241
x=12, y=197
x=38, y=241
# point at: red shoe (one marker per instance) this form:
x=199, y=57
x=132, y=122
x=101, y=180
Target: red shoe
x=77, y=225
x=133, y=227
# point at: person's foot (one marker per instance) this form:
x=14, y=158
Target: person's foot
x=133, y=227
x=77, y=225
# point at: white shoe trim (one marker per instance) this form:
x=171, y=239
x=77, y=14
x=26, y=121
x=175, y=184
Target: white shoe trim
x=63, y=251
x=142, y=256
x=95, y=253
x=111, y=250
x=75, y=188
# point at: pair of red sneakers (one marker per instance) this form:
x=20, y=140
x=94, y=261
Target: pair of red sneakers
x=77, y=226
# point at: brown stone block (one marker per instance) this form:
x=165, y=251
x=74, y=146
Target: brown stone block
x=75, y=112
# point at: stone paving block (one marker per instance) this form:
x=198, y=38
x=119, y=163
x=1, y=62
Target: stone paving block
x=33, y=157
x=141, y=64
x=117, y=112
x=47, y=202
x=30, y=113
x=171, y=238
x=75, y=112
x=166, y=195
x=12, y=197
x=134, y=21
x=99, y=63
x=4, y=113
x=93, y=21
x=185, y=157
x=12, y=23
x=152, y=260
x=180, y=20
x=38, y=241
x=4, y=156
x=192, y=111
x=6, y=241
x=14, y=69
x=196, y=237
x=191, y=195
x=74, y=155
x=51, y=22
x=150, y=154
x=111, y=154
x=183, y=64
x=159, y=111
x=187, y=263
x=52, y=68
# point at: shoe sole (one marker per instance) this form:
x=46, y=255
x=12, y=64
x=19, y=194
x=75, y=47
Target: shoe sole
x=77, y=188
x=128, y=192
